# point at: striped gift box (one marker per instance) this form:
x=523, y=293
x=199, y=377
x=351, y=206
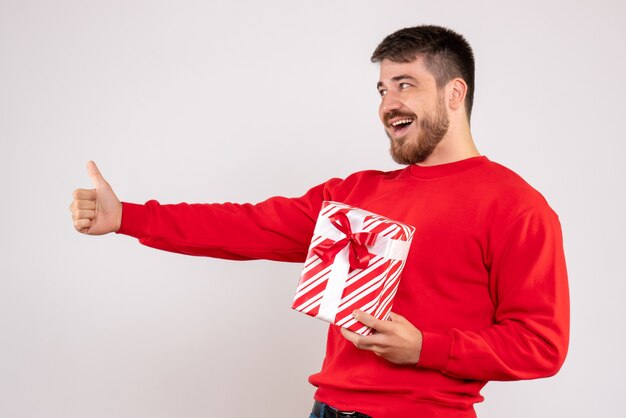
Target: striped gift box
x=354, y=262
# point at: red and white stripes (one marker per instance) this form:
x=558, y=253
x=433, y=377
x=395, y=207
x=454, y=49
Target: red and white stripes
x=331, y=291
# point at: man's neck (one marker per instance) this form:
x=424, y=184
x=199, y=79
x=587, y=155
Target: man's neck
x=456, y=145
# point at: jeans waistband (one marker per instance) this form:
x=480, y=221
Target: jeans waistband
x=322, y=410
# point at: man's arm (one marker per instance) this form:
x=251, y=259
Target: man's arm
x=279, y=228
x=530, y=334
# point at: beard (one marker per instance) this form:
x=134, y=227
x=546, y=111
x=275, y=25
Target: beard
x=430, y=131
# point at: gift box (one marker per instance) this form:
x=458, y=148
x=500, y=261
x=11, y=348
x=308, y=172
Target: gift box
x=354, y=262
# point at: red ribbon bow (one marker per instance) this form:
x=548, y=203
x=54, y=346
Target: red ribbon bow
x=359, y=256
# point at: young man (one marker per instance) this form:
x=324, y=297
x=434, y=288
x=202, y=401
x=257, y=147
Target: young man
x=484, y=292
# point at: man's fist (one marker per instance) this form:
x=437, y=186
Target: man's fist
x=96, y=211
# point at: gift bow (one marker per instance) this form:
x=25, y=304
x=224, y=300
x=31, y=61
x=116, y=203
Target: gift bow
x=359, y=256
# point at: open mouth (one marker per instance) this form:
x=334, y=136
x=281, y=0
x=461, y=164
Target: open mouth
x=400, y=126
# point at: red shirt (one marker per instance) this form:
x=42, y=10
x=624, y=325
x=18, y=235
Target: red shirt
x=485, y=279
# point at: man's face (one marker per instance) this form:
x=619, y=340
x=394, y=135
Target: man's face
x=412, y=110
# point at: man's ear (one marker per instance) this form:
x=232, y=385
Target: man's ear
x=457, y=89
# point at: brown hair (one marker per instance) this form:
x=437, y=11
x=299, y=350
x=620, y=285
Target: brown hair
x=447, y=54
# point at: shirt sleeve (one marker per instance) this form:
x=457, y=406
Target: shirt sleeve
x=278, y=228
x=530, y=334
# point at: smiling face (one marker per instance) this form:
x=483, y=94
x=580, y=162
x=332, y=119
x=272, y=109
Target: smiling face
x=412, y=110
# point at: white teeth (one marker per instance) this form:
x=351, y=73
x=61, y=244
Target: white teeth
x=402, y=122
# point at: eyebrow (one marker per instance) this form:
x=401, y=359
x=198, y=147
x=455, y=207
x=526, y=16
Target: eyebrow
x=398, y=78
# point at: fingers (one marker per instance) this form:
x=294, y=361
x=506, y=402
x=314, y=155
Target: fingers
x=349, y=335
x=85, y=194
x=96, y=211
x=96, y=177
x=370, y=321
x=82, y=225
x=373, y=342
x=83, y=214
x=396, y=340
x=394, y=317
x=353, y=337
x=83, y=219
x=83, y=209
x=84, y=204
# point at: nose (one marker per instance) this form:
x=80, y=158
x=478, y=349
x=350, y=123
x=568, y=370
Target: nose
x=389, y=102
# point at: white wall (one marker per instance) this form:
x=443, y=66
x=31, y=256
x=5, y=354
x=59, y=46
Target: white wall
x=209, y=101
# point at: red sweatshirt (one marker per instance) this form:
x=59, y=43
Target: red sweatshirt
x=485, y=279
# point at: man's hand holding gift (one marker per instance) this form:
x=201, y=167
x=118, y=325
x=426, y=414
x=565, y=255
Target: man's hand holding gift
x=395, y=340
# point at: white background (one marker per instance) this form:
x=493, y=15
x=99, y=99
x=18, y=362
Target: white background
x=211, y=101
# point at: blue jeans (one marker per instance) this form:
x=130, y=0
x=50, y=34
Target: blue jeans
x=321, y=412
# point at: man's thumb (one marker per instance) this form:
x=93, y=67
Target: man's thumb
x=96, y=176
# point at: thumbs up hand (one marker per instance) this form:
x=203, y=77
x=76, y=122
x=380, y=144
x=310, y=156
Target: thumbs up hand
x=96, y=211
